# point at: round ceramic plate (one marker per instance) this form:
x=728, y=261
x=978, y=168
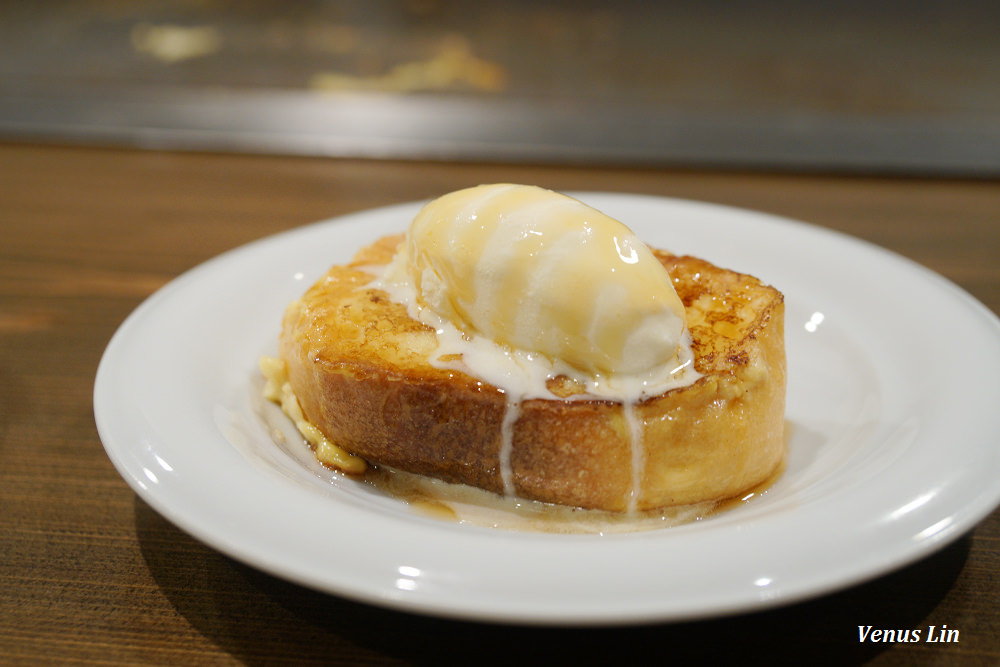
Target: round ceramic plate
x=892, y=424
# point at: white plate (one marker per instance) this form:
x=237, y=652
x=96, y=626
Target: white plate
x=892, y=406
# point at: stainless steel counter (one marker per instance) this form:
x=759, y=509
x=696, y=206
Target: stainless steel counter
x=874, y=87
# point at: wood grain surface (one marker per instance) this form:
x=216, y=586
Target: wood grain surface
x=91, y=574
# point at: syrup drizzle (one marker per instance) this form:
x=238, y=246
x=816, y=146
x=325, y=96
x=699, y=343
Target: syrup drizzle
x=512, y=412
x=637, y=450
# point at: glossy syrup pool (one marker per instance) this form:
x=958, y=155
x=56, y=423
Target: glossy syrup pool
x=463, y=504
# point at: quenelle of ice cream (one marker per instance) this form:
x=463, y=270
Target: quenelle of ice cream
x=543, y=275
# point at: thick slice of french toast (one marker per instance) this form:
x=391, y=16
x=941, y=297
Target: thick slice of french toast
x=360, y=367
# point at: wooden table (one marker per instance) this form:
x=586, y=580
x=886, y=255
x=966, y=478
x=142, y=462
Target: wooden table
x=90, y=573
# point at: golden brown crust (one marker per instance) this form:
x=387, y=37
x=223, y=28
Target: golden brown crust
x=359, y=366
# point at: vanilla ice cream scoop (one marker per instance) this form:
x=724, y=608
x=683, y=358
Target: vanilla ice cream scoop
x=544, y=273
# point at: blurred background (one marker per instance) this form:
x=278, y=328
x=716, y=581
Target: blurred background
x=877, y=87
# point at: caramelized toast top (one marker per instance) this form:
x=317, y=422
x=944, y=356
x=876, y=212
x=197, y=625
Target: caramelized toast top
x=725, y=311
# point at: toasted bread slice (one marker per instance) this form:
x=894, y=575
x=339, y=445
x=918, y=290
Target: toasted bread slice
x=360, y=368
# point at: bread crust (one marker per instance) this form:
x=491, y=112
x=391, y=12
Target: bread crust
x=360, y=368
